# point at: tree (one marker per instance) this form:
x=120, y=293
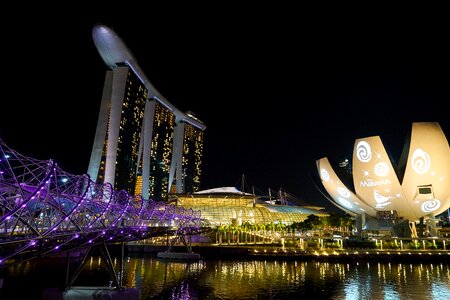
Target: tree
x=236, y=231
x=262, y=228
x=271, y=227
x=254, y=231
x=280, y=227
x=246, y=226
x=314, y=221
x=219, y=232
x=346, y=222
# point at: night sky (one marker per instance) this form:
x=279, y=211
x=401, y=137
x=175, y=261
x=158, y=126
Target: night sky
x=277, y=88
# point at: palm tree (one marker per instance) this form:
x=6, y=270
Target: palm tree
x=335, y=221
x=324, y=223
x=271, y=227
x=245, y=228
x=219, y=232
x=236, y=231
x=280, y=227
x=346, y=222
x=349, y=224
x=227, y=230
x=262, y=228
x=254, y=232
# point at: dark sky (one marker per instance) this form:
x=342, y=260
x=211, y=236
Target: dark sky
x=277, y=87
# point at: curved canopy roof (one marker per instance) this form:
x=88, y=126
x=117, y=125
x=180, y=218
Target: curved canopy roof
x=114, y=52
x=222, y=190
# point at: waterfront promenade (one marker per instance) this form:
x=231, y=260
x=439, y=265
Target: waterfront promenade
x=274, y=252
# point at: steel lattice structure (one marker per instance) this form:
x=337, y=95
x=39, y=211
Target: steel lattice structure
x=45, y=210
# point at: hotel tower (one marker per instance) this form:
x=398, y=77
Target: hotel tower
x=143, y=144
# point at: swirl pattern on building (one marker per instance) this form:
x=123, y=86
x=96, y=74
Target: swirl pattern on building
x=420, y=161
x=363, y=151
x=416, y=185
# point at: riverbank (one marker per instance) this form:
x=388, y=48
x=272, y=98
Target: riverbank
x=278, y=253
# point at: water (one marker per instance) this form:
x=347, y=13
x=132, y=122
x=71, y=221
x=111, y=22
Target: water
x=241, y=279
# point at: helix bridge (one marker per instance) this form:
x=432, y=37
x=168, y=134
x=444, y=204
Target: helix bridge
x=46, y=211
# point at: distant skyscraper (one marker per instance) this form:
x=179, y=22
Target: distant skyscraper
x=161, y=150
x=345, y=165
x=188, y=156
x=143, y=144
x=192, y=158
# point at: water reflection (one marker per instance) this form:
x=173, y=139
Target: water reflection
x=396, y=281
x=157, y=277
x=246, y=279
x=288, y=279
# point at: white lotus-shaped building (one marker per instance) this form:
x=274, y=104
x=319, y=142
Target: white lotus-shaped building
x=418, y=188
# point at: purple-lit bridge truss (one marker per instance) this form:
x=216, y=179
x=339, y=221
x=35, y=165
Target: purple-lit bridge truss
x=45, y=210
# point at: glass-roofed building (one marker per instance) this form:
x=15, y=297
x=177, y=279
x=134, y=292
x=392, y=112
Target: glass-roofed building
x=229, y=206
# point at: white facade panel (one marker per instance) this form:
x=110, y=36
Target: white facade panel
x=375, y=179
x=426, y=182
x=342, y=196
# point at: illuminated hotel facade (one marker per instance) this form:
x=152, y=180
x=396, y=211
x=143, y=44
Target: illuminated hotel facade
x=143, y=144
x=395, y=199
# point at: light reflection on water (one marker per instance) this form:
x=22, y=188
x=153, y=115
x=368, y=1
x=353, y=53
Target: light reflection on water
x=291, y=279
x=251, y=279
